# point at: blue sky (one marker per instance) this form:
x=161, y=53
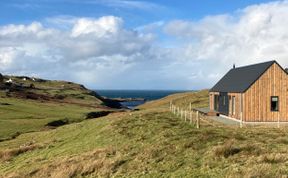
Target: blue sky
x=135, y=14
x=127, y=44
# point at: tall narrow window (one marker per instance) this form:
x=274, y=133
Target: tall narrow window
x=216, y=102
x=233, y=105
x=230, y=108
x=274, y=103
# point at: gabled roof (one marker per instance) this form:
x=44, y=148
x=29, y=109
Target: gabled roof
x=238, y=80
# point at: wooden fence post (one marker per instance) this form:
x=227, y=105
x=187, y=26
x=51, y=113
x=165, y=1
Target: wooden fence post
x=197, y=121
x=190, y=107
x=185, y=116
x=191, y=112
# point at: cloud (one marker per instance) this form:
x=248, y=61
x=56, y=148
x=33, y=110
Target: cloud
x=253, y=34
x=179, y=54
x=97, y=48
x=104, y=26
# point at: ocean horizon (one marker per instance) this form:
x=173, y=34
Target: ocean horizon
x=148, y=95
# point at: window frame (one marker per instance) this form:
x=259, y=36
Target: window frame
x=277, y=104
x=233, y=105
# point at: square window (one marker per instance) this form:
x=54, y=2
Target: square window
x=274, y=103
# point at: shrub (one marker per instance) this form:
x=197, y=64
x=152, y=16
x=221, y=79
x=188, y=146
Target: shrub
x=93, y=115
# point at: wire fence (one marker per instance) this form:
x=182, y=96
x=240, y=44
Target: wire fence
x=189, y=114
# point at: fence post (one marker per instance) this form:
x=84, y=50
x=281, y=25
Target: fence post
x=191, y=112
x=190, y=107
x=185, y=116
x=197, y=121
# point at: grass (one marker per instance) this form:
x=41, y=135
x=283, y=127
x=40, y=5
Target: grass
x=64, y=101
x=147, y=143
x=22, y=116
x=183, y=100
x=151, y=142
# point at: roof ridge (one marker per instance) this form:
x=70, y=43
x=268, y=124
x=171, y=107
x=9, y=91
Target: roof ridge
x=255, y=64
x=239, y=79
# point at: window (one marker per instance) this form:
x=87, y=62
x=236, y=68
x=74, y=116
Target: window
x=224, y=100
x=233, y=105
x=230, y=113
x=216, y=102
x=274, y=103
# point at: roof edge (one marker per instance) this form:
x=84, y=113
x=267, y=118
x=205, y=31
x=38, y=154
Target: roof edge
x=272, y=62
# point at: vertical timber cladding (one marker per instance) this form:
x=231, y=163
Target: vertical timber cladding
x=237, y=113
x=257, y=99
x=211, y=100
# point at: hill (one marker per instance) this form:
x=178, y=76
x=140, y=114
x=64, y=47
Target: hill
x=151, y=142
x=30, y=104
x=183, y=100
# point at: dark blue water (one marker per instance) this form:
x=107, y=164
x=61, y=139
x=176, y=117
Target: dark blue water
x=148, y=95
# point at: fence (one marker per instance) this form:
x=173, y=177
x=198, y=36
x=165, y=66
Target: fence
x=191, y=115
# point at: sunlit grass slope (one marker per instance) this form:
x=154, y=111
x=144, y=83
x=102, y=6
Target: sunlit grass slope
x=183, y=100
x=151, y=142
x=25, y=109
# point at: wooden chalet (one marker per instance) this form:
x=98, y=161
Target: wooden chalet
x=254, y=93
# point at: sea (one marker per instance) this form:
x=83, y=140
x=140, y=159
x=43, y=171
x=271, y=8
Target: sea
x=148, y=95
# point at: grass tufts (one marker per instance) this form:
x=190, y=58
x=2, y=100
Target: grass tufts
x=7, y=155
x=227, y=149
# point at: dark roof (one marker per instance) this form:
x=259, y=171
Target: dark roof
x=240, y=79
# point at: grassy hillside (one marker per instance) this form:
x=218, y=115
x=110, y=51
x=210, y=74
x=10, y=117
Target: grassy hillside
x=183, y=100
x=147, y=143
x=30, y=104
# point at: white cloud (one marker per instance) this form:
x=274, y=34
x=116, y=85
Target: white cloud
x=102, y=27
x=102, y=53
x=98, y=47
x=254, y=34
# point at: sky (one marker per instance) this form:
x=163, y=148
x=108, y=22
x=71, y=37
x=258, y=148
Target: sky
x=133, y=44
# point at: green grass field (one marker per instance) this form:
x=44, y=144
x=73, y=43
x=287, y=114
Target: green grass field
x=22, y=116
x=19, y=114
x=151, y=142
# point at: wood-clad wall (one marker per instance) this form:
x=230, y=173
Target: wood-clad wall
x=237, y=114
x=211, y=100
x=237, y=96
x=257, y=99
